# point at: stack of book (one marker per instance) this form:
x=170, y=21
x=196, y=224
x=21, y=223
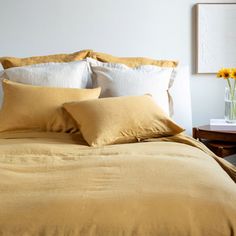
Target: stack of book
x=221, y=124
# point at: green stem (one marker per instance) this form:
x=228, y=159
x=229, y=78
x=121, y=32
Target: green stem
x=234, y=88
x=233, y=101
x=232, y=95
x=230, y=87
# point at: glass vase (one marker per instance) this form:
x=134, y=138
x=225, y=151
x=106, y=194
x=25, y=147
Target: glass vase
x=230, y=105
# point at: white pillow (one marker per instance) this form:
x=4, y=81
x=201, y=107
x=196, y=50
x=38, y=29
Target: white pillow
x=121, y=80
x=76, y=74
x=66, y=75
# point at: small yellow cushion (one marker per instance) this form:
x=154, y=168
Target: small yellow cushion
x=8, y=62
x=121, y=120
x=31, y=107
x=132, y=61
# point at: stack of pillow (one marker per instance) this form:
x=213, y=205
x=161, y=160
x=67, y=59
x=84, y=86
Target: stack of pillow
x=59, y=93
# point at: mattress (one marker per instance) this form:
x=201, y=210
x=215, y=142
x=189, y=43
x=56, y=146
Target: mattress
x=54, y=184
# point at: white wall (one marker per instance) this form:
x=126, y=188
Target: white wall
x=152, y=28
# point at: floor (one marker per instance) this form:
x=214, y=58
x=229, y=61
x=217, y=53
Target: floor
x=231, y=159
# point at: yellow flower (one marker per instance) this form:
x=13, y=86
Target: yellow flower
x=224, y=73
x=219, y=74
x=233, y=73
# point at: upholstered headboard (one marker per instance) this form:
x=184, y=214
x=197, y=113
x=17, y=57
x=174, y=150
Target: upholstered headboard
x=181, y=95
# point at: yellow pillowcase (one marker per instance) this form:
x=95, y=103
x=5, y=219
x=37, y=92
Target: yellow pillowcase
x=61, y=121
x=132, y=61
x=31, y=107
x=8, y=62
x=121, y=120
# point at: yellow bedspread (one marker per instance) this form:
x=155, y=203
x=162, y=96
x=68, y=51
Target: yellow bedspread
x=53, y=184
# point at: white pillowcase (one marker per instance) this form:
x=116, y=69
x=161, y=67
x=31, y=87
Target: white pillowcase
x=121, y=80
x=74, y=74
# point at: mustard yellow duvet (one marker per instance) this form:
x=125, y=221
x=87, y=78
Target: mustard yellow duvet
x=54, y=184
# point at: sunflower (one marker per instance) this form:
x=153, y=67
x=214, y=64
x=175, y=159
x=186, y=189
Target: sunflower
x=224, y=73
x=219, y=74
x=233, y=73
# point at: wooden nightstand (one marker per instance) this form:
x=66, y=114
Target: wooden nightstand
x=222, y=143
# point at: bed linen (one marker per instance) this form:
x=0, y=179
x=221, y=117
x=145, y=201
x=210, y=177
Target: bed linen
x=32, y=107
x=73, y=74
x=9, y=62
x=120, y=80
x=54, y=184
x=120, y=120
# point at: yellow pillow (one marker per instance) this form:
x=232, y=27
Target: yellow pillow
x=61, y=121
x=132, y=61
x=8, y=62
x=121, y=120
x=31, y=107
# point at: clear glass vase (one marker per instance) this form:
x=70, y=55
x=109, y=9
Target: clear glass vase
x=230, y=105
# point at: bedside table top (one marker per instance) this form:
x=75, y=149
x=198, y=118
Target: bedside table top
x=207, y=132
x=214, y=129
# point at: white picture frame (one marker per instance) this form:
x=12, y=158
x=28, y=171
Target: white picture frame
x=216, y=36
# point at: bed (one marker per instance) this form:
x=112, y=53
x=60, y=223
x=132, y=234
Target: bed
x=53, y=183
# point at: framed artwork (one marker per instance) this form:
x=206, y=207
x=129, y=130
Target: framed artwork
x=216, y=36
